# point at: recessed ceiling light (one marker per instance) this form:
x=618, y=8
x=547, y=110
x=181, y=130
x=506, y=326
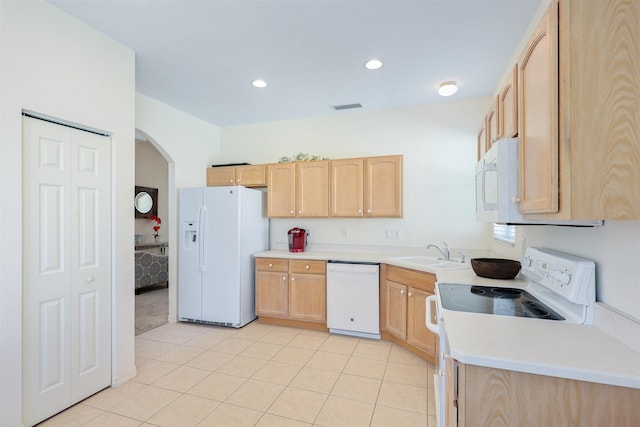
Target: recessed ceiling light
x=259, y=83
x=448, y=88
x=373, y=64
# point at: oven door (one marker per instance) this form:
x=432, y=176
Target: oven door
x=435, y=323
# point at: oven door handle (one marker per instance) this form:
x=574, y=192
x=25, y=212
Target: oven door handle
x=433, y=327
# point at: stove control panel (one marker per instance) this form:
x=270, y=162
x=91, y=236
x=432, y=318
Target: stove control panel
x=570, y=276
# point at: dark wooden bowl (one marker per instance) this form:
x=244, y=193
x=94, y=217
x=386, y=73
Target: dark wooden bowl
x=495, y=268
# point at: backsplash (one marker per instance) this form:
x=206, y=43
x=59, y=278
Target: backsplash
x=615, y=248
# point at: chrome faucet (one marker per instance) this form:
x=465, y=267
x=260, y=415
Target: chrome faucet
x=444, y=252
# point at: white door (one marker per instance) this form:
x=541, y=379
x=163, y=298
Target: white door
x=66, y=267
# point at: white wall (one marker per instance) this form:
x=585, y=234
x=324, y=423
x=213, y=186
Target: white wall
x=439, y=147
x=152, y=171
x=615, y=248
x=189, y=145
x=54, y=65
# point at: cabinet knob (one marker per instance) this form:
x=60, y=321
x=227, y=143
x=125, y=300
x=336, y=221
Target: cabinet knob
x=88, y=279
x=368, y=210
x=402, y=292
x=292, y=212
x=231, y=180
x=306, y=266
x=270, y=265
x=515, y=199
x=299, y=212
x=284, y=277
x=293, y=279
x=410, y=294
x=238, y=180
x=359, y=210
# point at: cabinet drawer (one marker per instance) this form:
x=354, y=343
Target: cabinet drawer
x=417, y=279
x=311, y=267
x=272, y=264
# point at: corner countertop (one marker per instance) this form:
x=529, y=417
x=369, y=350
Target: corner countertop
x=544, y=347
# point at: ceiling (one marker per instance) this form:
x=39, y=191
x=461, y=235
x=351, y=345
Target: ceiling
x=199, y=56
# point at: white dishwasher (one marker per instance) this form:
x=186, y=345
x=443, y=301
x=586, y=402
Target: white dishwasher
x=353, y=298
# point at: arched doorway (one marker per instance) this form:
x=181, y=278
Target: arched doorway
x=154, y=169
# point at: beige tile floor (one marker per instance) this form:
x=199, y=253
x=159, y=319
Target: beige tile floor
x=261, y=375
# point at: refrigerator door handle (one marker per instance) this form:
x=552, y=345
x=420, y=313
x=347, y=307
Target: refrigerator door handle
x=201, y=222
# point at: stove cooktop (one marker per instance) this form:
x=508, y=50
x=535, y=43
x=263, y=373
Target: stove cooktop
x=494, y=300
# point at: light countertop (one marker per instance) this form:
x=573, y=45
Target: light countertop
x=385, y=258
x=559, y=349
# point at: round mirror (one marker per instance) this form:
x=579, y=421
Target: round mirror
x=144, y=202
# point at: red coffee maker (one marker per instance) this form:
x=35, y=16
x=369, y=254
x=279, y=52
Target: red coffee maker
x=297, y=239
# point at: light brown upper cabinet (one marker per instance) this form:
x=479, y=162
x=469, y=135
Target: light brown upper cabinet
x=347, y=187
x=579, y=129
x=281, y=190
x=298, y=189
x=383, y=186
x=247, y=175
x=492, y=123
x=538, y=126
x=312, y=189
x=366, y=187
x=482, y=139
x=508, y=106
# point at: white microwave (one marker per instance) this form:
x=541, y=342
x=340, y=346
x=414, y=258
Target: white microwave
x=497, y=188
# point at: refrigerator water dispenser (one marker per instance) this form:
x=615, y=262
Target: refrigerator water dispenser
x=190, y=234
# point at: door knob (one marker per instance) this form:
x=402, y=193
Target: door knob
x=89, y=279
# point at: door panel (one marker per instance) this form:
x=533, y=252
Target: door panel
x=52, y=367
x=51, y=214
x=67, y=267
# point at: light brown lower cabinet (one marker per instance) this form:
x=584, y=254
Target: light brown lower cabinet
x=308, y=290
x=294, y=290
x=498, y=397
x=403, y=296
x=272, y=287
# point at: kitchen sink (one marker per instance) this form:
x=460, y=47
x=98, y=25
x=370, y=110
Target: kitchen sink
x=426, y=261
x=423, y=260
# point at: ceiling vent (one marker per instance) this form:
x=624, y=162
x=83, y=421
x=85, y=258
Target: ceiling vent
x=346, y=106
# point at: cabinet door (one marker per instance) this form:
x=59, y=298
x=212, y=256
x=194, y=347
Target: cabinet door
x=281, y=183
x=482, y=139
x=383, y=186
x=223, y=175
x=347, y=187
x=417, y=332
x=251, y=175
x=538, y=119
x=395, y=321
x=307, y=297
x=312, y=189
x=492, y=123
x=508, y=106
x=271, y=294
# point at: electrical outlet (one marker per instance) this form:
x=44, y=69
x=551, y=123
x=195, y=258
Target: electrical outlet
x=393, y=234
x=345, y=233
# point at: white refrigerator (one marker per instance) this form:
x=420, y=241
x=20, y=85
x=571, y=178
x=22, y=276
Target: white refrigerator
x=220, y=228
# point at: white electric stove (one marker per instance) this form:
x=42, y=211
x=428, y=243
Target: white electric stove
x=559, y=288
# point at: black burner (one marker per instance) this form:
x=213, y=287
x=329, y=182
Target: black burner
x=494, y=300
